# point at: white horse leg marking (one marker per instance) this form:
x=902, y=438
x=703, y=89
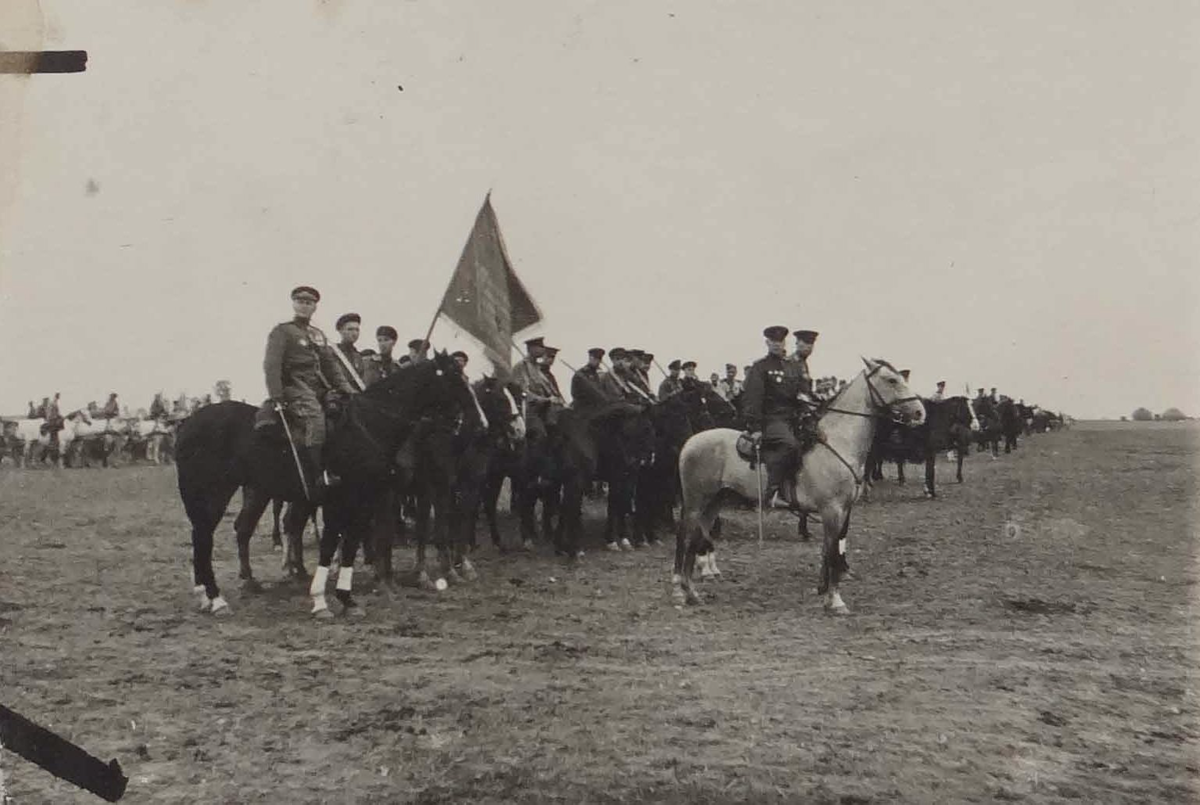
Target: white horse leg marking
x=712, y=562
x=202, y=597
x=220, y=606
x=317, y=590
x=345, y=578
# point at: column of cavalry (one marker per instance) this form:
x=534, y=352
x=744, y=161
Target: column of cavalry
x=351, y=434
x=82, y=439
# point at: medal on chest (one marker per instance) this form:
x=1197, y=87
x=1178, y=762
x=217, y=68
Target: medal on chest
x=316, y=337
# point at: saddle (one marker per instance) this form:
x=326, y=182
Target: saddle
x=745, y=450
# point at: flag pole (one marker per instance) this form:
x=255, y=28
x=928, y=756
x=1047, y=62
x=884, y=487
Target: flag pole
x=664, y=374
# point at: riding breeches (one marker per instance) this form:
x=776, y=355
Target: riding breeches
x=779, y=449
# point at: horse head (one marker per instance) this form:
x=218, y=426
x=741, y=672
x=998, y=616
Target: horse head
x=890, y=393
x=499, y=401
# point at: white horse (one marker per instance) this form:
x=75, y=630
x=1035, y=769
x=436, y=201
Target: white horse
x=827, y=484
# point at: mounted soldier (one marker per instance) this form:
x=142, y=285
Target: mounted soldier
x=540, y=392
x=940, y=394
x=771, y=408
x=729, y=387
x=619, y=382
x=377, y=367
x=158, y=407
x=461, y=359
x=589, y=392
x=349, y=327
x=112, y=409
x=301, y=371
x=417, y=350
x=672, y=383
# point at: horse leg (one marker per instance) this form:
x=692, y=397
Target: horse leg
x=802, y=528
x=836, y=523
x=491, y=498
x=355, y=522
x=276, y=514
x=294, y=521
x=205, y=508
x=960, y=463
x=421, y=512
x=254, y=502
x=931, y=474
x=900, y=471
x=329, y=541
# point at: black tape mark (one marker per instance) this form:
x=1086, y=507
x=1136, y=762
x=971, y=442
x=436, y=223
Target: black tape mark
x=25, y=62
x=60, y=757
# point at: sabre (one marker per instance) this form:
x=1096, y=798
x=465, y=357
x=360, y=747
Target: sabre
x=295, y=453
x=758, y=465
x=60, y=757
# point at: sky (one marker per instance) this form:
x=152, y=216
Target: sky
x=992, y=194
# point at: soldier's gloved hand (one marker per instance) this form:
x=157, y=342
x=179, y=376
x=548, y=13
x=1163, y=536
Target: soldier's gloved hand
x=280, y=405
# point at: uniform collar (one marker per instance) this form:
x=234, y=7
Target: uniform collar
x=300, y=320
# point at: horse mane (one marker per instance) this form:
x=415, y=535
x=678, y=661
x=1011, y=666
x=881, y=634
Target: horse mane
x=404, y=380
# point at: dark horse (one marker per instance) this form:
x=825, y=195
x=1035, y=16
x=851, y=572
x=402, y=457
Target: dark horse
x=451, y=477
x=1011, y=423
x=610, y=444
x=947, y=426
x=218, y=451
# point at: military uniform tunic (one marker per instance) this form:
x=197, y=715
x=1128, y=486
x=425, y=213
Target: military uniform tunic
x=589, y=390
x=378, y=367
x=299, y=370
x=355, y=360
x=769, y=404
x=669, y=386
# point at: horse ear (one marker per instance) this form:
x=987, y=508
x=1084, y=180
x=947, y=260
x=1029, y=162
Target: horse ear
x=866, y=363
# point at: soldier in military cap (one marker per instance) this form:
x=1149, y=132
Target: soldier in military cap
x=729, y=387
x=460, y=358
x=349, y=326
x=417, y=349
x=671, y=383
x=112, y=409
x=549, y=353
x=377, y=367
x=588, y=389
x=540, y=393
x=301, y=371
x=940, y=394
x=771, y=406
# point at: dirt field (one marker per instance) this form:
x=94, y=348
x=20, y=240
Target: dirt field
x=1027, y=637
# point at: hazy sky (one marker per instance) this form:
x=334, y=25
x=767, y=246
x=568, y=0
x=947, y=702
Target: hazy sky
x=999, y=194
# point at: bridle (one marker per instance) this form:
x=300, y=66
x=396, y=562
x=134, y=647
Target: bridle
x=877, y=402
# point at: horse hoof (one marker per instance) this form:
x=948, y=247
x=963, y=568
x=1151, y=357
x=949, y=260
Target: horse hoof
x=220, y=607
x=527, y=545
x=614, y=547
x=323, y=614
x=454, y=578
x=677, y=596
x=625, y=544
x=251, y=586
x=277, y=548
x=440, y=585
x=838, y=609
x=468, y=572
x=694, y=598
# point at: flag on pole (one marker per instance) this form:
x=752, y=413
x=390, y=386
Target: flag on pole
x=485, y=297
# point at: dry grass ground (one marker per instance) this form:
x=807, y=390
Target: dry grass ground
x=1027, y=637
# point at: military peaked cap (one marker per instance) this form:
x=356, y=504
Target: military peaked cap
x=596, y=352
x=460, y=354
x=346, y=318
x=533, y=343
x=417, y=343
x=551, y=351
x=306, y=290
x=689, y=364
x=730, y=366
x=673, y=365
x=387, y=330
x=776, y=333
x=807, y=336
x=941, y=382
x=619, y=352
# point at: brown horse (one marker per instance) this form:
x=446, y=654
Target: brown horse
x=827, y=484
